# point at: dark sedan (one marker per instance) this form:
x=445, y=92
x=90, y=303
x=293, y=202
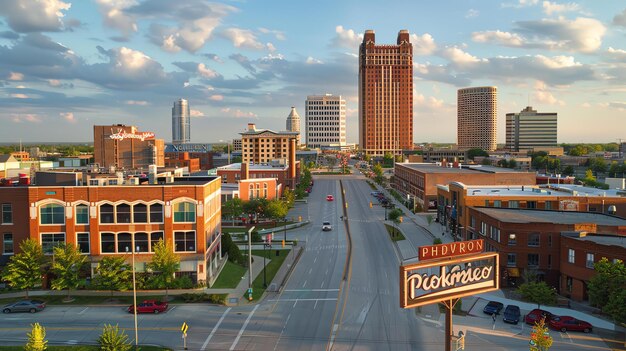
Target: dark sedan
x=31, y=306
x=493, y=307
x=511, y=314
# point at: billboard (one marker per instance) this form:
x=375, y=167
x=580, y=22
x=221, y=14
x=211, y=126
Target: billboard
x=448, y=278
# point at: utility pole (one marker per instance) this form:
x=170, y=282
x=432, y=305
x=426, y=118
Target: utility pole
x=250, y=262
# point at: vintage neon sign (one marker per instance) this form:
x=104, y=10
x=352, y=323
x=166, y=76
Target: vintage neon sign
x=121, y=135
x=448, y=278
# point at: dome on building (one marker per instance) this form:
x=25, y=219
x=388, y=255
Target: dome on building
x=293, y=121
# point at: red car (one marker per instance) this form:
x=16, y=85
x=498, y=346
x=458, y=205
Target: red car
x=329, y=198
x=536, y=315
x=565, y=323
x=149, y=306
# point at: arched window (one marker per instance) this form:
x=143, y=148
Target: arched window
x=251, y=190
x=82, y=214
x=107, y=213
x=265, y=190
x=140, y=213
x=52, y=214
x=184, y=212
x=258, y=190
x=123, y=213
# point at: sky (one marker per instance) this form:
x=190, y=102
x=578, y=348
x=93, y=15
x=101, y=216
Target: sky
x=68, y=65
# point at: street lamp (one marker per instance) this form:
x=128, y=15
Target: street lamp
x=134, y=293
x=250, y=263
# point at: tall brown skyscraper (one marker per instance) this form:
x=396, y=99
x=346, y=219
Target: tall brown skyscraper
x=385, y=95
x=477, y=111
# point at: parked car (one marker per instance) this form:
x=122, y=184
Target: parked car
x=493, y=307
x=565, y=323
x=149, y=306
x=329, y=198
x=536, y=315
x=31, y=306
x=511, y=314
x=326, y=227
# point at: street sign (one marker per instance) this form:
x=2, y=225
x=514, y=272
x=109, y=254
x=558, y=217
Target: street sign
x=184, y=328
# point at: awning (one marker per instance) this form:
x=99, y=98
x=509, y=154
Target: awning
x=513, y=272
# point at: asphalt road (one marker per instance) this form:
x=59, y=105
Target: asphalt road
x=329, y=303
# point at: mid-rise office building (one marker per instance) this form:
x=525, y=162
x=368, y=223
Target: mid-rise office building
x=529, y=130
x=124, y=147
x=325, y=121
x=477, y=111
x=293, y=123
x=181, y=122
x=385, y=95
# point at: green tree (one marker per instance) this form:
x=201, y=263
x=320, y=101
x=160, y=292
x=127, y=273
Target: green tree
x=471, y=153
x=164, y=262
x=66, y=265
x=568, y=171
x=290, y=197
x=233, y=208
x=512, y=163
x=540, y=339
x=256, y=207
x=24, y=269
x=609, y=280
x=616, y=305
x=113, y=339
x=394, y=216
x=234, y=254
x=277, y=210
x=578, y=150
x=538, y=292
x=113, y=273
x=589, y=177
x=378, y=172
x=388, y=159
x=597, y=164
x=36, y=338
x=331, y=160
x=436, y=241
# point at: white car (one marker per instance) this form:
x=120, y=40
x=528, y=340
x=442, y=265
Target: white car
x=326, y=227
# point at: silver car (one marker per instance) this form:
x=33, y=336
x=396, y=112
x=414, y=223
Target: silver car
x=31, y=306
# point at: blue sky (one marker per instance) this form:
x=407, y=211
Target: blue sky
x=67, y=65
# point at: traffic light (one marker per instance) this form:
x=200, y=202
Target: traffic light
x=371, y=205
x=400, y=219
x=283, y=242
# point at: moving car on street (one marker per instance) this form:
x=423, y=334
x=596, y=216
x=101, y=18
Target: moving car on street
x=329, y=198
x=31, y=306
x=149, y=306
x=566, y=323
x=326, y=227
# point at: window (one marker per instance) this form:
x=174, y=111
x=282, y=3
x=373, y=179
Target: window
x=549, y=261
x=123, y=213
x=140, y=213
x=513, y=204
x=497, y=203
x=7, y=244
x=511, y=260
x=590, y=260
x=550, y=240
x=107, y=213
x=82, y=242
x=107, y=243
x=82, y=214
x=571, y=256
x=483, y=228
x=533, y=260
x=124, y=242
x=184, y=212
x=473, y=222
x=156, y=213
x=7, y=214
x=154, y=238
x=548, y=205
x=141, y=242
x=533, y=239
x=185, y=241
x=569, y=282
x=50, y=240
x=495, y=234
x=52, y=214
x=512, y=239
x=531, y=204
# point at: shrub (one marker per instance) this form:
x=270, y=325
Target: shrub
x=36, y=339
x=112, y=339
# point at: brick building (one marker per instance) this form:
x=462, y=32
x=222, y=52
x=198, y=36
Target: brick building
x=532, y=241
x=237, y=172
x=262, y=146
x=104, y=220
x=124, y=147
x=457, y=197
x=420, y=180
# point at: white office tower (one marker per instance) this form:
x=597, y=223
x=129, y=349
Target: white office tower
x=293, y=123
x=529, y=130
x=181, y=122
x=325, y=121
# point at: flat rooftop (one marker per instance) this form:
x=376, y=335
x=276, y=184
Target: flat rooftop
x=550, y=190
x=602, y=239
x=252, y=167
x=465, y=169
x=518, y=215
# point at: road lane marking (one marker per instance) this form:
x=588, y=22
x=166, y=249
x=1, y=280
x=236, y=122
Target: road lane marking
x=243, y=327
x=303, y=285
x=206, y=342
x=310, y=270
x=281, y=332
x=83, y=311
x=309, y=290
x=290, y=300
x=315, y=306
x=315, y=260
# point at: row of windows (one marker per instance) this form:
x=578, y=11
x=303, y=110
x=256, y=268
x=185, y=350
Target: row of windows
x=590, y=259
x=54, y=214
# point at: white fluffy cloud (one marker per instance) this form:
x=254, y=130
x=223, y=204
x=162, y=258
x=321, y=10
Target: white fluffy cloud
x=237, y=113
x=244, y=38
x=34, y=15
x=423, y=44
x=277, y=34
x=544, y=96
x=459, y=57
x=620, y=19
x=68, y=116
x=347, y=38
x=206, y=72
x=21, y=118
x=217, y=97
x=15, y=76
x=196, y=113
x=313, y=61
x=137, y=102
x=578, y=35
x=617, y=54
x=498, y=37
x=552, y=7
x=115, y=16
